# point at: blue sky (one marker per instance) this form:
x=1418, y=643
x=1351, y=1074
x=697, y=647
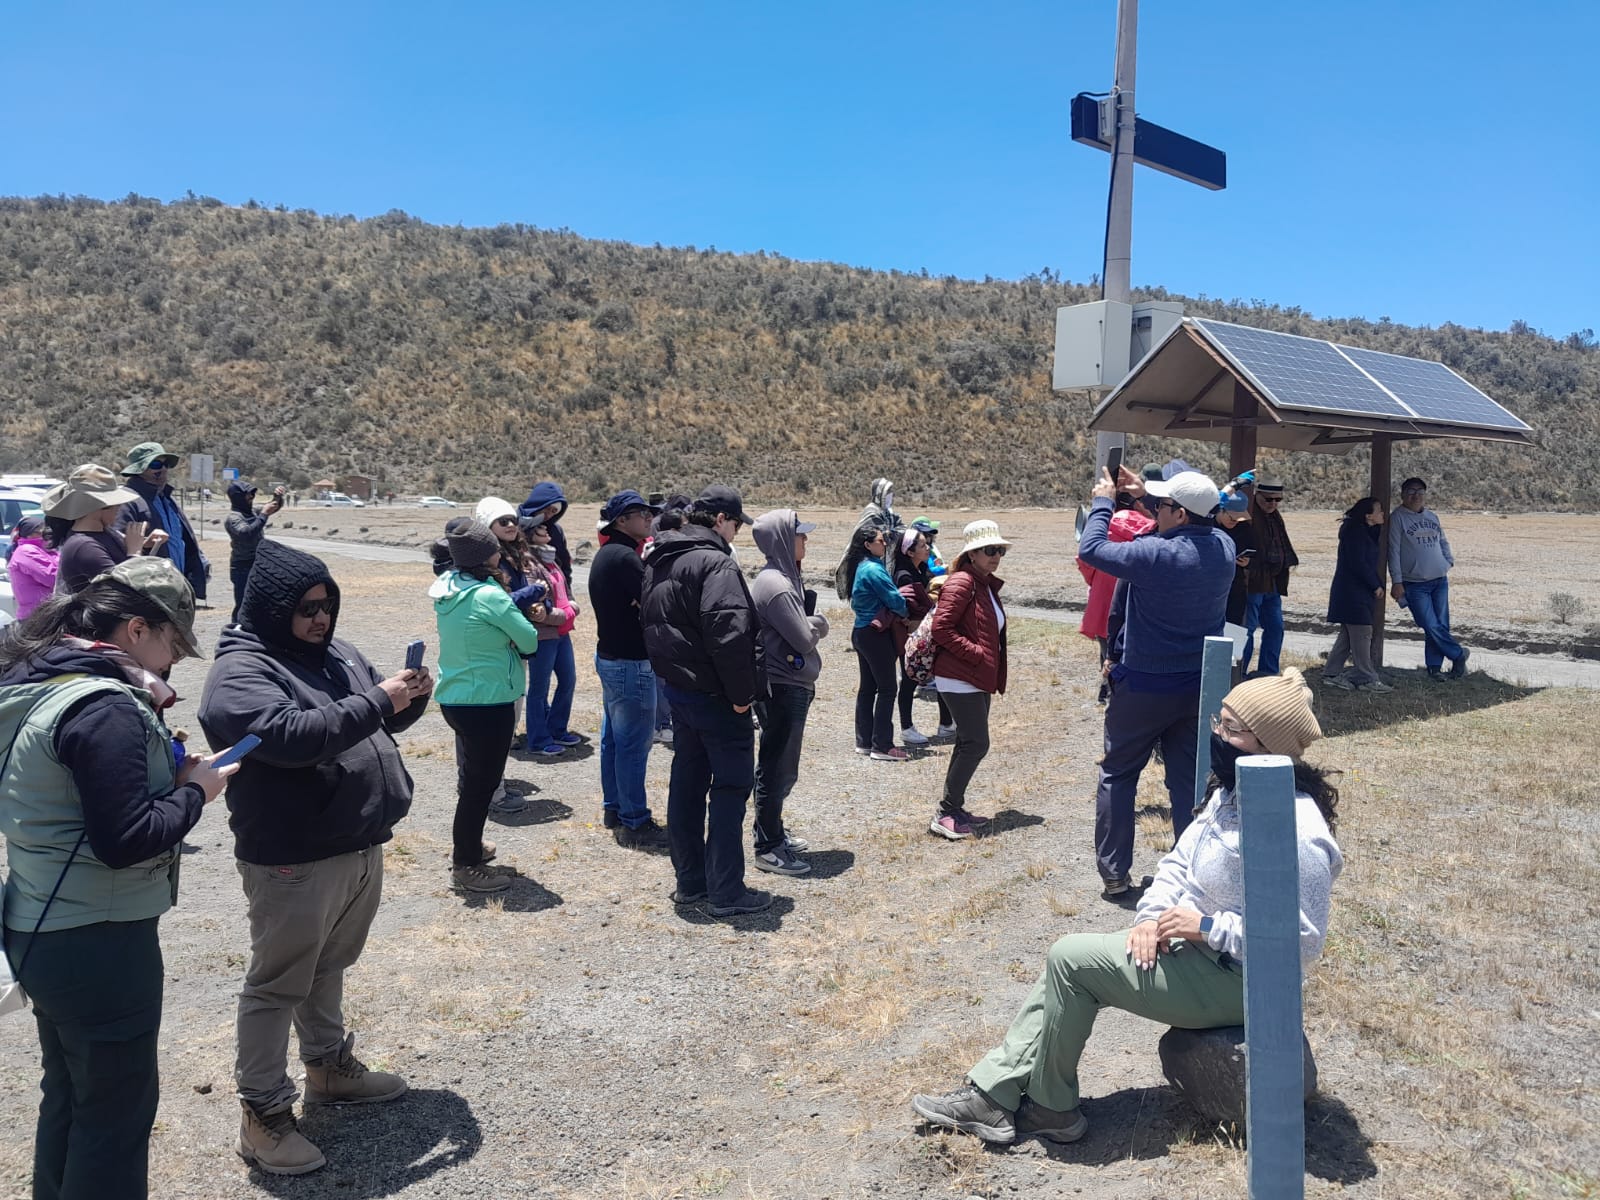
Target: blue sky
x=1423, y=161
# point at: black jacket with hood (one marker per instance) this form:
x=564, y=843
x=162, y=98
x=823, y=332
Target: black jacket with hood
x=541, y=497
x=327, y=778
x=699, y=621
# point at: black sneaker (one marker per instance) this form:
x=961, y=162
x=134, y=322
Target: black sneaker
x=609, y=818
x=1458, y=669
x=648, y=836
x=970, y=1110
x=685, y=899
x=751, y=902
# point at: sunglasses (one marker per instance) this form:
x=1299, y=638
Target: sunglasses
x=311, y=608
x=156, y=466
x=505, y=520
x=993, y=551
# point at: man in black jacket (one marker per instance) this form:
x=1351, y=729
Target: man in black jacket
x=627, y=682
x=149, y=473
x=310, y=810
x=703, y=638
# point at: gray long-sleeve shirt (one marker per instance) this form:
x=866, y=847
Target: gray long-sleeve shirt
x=1418, y=549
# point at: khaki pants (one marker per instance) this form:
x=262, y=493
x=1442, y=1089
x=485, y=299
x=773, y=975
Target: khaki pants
x=308, y=923
x=1084, y=973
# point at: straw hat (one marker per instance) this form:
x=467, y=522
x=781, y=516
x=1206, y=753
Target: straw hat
x=980, y=534
x=88, y=489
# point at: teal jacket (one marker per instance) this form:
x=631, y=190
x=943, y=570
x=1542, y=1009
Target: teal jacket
x=872, y=590
x=482, y=638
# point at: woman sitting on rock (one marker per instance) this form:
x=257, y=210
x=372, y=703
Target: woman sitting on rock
x=1181, y=963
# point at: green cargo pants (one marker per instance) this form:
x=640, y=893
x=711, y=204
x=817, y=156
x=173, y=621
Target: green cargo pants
x=1084, y=973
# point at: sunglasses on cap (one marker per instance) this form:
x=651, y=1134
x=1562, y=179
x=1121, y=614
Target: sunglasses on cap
x=993, y=551
x=311, y=608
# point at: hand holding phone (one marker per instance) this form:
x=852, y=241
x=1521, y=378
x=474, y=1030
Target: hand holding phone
x=414, y=654
x=235, y=752
x=1114, y=464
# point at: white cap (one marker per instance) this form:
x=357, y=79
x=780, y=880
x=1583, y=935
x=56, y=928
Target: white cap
x=1189, y=488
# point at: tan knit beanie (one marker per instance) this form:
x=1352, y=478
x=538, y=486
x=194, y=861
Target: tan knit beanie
x=1277, y=709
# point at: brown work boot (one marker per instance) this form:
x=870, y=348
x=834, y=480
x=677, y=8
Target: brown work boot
x=274, y=1143
x=344, y=1079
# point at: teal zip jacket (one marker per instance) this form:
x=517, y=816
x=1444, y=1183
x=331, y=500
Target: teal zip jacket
x=874, y=590
x=482, y=638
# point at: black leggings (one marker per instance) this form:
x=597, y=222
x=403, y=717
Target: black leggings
x=971, y=711
x=483, y=740
x=875, y=695
x=908, y=693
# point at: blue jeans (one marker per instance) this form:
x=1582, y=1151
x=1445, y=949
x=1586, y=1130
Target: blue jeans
x=783, y=726
x=628, y=691
x=1263, y=612
x=713, y=770
x=1429, y=602
x=547, y=718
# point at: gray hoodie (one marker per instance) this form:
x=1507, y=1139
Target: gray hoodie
x=788, y=636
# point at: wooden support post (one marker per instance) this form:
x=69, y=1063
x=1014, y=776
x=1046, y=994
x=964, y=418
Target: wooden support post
x=1242, y=443
x=1275, y=1118
x=1216, y=673
x=1382, y=468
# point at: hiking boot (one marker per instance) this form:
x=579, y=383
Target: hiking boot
x=970, y=1110
x=274, y=1143
x=1337, y=681
x=685, y=899
x=912, y=736
x=648, y=836
x=344, y=1079
x=953, y=828
x=892, y=754
x=478, y=879
x=1377, y=685
x=1051, y=1124
x=1120, y=886
x=795, y=845
x=1458, y=669
x=781, y=862
x=751, y=902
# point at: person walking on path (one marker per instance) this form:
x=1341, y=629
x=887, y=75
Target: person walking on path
x=1267, y=576
x=32, y=563
x=701, y=631
x=1178, y=580
x=1419, y=566
x=148, y=475
x=245, y=528
x=1182, y=963
x=913, y=549
x=1357, y=586
x=96, y=804
x=483, y=636
x=627, y=681
x=789, y=640
x=310, y=810
x=876, y=603
x=969, y=667
x=81, y=514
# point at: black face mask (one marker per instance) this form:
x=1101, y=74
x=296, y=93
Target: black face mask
x=1224, y=758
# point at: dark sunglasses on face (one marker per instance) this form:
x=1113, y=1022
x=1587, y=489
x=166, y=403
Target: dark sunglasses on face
x=311, y=608
x=993, y=551
x=505, y=520
x=156, y=466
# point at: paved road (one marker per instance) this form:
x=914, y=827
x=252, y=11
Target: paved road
x=320, y=546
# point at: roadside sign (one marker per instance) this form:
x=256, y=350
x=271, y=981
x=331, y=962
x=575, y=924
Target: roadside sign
x=230, y=474
x=202, y=468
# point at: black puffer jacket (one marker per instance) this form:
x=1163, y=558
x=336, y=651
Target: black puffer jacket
x=327, y=778
x=700, y=625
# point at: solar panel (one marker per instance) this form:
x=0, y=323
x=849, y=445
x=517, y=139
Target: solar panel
x=1432, y=390
x=1300, y=372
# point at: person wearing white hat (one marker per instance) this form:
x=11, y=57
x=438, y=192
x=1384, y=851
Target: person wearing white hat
x=1178, y=583
x=969, y=666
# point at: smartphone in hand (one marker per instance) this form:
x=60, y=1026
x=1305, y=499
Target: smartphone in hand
x=1114, y=464
x=414, y=653
x=235, y=752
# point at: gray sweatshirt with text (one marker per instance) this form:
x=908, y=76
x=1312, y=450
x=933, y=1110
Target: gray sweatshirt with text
x=1418, y=551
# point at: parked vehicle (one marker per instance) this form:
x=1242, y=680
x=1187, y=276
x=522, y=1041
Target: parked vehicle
x=16, y=503
x=340, y=500
x=435, y=502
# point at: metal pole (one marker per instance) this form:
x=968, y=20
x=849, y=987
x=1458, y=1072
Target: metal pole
x=1275, y=1119
x=1116, y=280
x=1216, y=673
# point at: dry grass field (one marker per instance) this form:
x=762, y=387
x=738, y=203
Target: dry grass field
x=581, y=1038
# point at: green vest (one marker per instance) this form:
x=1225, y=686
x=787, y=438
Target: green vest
x=41, y=815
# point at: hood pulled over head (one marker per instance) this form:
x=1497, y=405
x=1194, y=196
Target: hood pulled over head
x=280, y=577
x=774, y=535
x=543, y=496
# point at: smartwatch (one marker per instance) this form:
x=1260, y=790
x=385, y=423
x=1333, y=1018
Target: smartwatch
x=1205, y=927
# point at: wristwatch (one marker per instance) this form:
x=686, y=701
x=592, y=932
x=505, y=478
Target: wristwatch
x=1205, y=927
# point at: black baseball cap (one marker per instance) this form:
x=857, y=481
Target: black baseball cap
x=720, y=499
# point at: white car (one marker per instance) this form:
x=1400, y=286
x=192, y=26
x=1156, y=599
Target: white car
x=15, y=503
x=435, y=502
x=340, y=500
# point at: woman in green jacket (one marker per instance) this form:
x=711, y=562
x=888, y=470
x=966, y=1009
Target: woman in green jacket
x=483, y=639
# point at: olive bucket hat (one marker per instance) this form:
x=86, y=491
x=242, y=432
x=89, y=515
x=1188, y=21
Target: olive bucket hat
x=162, y=582
x=144, y=456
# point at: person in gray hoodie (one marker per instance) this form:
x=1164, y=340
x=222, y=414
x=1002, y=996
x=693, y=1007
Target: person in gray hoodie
x=789, y=638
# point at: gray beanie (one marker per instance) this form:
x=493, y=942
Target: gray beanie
x=472, y=545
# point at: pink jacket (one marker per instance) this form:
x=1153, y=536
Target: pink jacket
x=33, y=574
x=562, y=601
x=1125, y=526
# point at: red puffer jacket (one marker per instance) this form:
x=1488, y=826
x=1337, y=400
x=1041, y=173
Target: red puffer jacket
x=971, y=644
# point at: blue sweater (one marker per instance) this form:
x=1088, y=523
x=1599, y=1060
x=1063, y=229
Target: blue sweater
x=873, y=589
x=1178, y=585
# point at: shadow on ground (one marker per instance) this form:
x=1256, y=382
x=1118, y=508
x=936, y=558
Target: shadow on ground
x=536, y=810
x=825, y=864
x=1415, y=697
x=1008, y=819
x=524, y=895
x=377, y=1150
x=762, y=922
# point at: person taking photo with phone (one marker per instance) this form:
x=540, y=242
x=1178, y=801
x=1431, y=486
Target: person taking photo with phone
x=96, y=804
x=310, y=810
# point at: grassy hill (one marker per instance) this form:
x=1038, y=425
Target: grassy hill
x=463, y=361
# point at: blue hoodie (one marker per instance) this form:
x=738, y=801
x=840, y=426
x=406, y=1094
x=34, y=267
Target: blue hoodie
x=543, y=496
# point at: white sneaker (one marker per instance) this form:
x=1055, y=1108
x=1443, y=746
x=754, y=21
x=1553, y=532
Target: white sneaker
x=945, y=731
x=909, y=736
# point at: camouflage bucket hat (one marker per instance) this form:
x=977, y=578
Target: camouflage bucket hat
x=162, y=582
x=143, y=456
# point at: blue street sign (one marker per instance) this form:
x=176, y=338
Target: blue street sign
x=1155, y=146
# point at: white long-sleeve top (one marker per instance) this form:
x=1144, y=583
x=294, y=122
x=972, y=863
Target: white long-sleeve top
x=1204, y=872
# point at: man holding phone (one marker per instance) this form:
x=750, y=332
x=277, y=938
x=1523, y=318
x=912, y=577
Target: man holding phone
x=310, y=810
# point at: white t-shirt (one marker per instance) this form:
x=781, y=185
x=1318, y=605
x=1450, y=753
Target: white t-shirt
x=944, y=683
